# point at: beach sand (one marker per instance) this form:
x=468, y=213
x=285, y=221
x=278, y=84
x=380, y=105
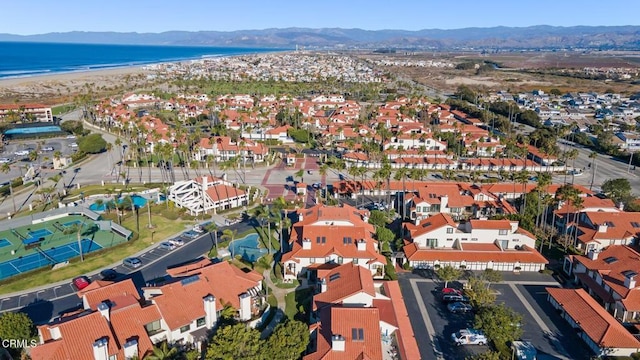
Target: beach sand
x=58, y=88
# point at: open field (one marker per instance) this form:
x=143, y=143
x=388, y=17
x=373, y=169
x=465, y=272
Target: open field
x=519, y=71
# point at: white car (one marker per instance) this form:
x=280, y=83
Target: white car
x=469, y=337
x=71, y=136
x=22, y=152
x=177, y=241
x=73, y=145
x=5, y=160
x=166, y=246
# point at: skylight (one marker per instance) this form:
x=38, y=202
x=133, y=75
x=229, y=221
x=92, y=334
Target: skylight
x=427, y=224
x=334, y=277
x=635, y=224
x=357, y=334
x=190, y=280
x=629, y=273
x=610, y=260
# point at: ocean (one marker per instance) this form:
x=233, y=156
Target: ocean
x=21, y=59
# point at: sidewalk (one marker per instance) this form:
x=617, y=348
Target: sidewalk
x=280, y=298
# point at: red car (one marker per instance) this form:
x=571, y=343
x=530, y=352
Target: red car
x=451, y=291
x=81, y=282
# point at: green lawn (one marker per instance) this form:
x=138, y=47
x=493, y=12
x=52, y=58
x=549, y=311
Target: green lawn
x=62, y=109
x=301, y=298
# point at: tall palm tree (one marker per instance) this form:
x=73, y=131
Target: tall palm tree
x=522, y=177
x=5, y=169
x=593, y=157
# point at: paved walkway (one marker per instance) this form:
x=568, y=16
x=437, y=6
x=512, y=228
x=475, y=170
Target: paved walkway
x=280, y=295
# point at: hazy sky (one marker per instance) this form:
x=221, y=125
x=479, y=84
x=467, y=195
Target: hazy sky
x=42, y=16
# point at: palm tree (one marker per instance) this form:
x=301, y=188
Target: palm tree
x=5, y=169
x=300, y=174
x=163, y=353
x=523, y=178
x=324, y=168
x=593, y=157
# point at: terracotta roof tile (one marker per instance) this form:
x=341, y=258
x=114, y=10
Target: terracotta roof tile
x=344, y=281
x=593, y=319
x=525, y=255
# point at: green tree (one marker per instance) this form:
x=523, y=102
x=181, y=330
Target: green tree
x=384, y=235
x=478, y=293
x=501, y=325
x=619, y=190
x=279, y=345
x=491, y=276
x=235, y=342
x=378, y=218
x=163, y=352
x=487, y=355
x=16, y=325
x=448, y=273
x=92, y=144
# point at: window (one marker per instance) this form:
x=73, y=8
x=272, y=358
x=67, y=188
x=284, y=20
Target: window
x=449, y=230
x=432, y=243
x=515, y=240
x=185, y=328
x=474, y=239
x=113, y=357
x=200, y=322
x=357, y=334
x=324, y=239
x=318, y=240
x=312, y=260
x=340, y=259
x=347, y=240
x=355, y=261
x=153, y=327
x=450, y=239
x=502, y=232
x=464, y=239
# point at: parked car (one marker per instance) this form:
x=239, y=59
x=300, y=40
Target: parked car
x=73, y=145
x=459, y=307
x=190, y=234
x=451, y=298
x=166, y=245
x=22, y=152
x=449, y=291
x=5, y=160
x=47, y=148
x=317, y=185
x=177, y=241
x=132, y=263
x=469, y=337
x=108, y=274
x=80, y=282
x=71, y=136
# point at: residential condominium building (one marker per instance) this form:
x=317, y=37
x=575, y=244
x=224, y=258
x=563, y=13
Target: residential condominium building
x=609, y=276
x=118, y=324
x=354, y=317
x=332, y=235
x=25, y=112
x=223, y=148
x=207, y=193
x=598, y=229
x=473, y=245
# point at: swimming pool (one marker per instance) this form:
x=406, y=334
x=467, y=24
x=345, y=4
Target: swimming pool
x=33, y=130
x=247, y=247
x=138, y=201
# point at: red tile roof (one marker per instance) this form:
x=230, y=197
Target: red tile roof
x=407, y=344
x=490, y=224
x=349, y=279
x=525, y=255
x=109, y=291
x=593, y=319
x=341, y=321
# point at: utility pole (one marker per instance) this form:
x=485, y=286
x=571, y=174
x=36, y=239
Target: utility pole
x=630, y=161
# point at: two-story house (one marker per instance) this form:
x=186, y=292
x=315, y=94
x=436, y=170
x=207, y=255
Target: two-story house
x=206, y=193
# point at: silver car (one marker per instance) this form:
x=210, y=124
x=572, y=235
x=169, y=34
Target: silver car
x=132, y=263
x=167, y=246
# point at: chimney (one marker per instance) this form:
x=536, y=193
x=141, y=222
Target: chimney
x=306, y=244
x=131, y=349
x=602, y=228
x=245, y=307
x=621, y=206
x=300, y=217
x=101, y=349
x=323, y=285
x=444, y=203
x=630, y=280
x=337, y=343
x=211, y=315
x=104, y=310
x=593, y=255
x=362, y=245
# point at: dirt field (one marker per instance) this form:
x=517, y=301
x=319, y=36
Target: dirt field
x=524, y=71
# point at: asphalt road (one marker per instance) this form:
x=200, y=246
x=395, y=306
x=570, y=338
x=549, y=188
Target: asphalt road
x=44, y=304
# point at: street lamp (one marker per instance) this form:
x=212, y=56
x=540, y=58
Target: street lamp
x=630, y=161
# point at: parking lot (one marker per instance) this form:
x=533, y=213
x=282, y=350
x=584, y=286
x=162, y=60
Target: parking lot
x=433, y=324
x=16, y=153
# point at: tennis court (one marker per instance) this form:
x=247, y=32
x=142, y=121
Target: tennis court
x=40, y=233
x=71, y=223
x=5, y=242
x=46, y=257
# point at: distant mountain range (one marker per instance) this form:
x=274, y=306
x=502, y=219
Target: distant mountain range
x=533, y=37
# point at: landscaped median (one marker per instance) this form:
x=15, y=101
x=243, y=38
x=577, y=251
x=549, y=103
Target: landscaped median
x=163, y=228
